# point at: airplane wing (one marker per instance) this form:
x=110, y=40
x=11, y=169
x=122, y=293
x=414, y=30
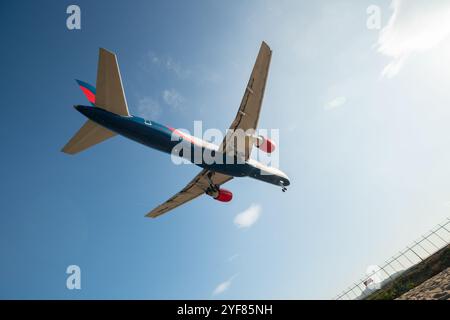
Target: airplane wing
x=248, y=113
x=195, y=188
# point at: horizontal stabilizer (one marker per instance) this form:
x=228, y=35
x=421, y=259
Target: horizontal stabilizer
x=90, y=134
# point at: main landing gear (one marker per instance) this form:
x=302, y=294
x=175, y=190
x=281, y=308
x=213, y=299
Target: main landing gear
x=213, y=189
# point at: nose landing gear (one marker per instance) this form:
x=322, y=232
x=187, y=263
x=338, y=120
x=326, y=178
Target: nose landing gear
x=283, y=188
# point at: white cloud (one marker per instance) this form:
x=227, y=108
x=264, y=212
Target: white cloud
x=415, y=26
x=200, y=73
x=233, y=257
x=248, y=217
x=336, y=102
x=169, y=64
x=173, y=98
x=149, y=108
x=224, y=286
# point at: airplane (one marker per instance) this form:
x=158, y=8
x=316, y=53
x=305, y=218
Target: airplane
x=108, y=116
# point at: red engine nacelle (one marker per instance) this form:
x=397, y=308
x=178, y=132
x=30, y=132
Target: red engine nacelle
x=265, y=144
x=224, y=195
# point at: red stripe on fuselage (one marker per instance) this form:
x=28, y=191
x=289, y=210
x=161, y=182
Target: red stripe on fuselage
x=182, y=135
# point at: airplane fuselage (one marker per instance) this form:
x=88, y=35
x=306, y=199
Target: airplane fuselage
x=160, y=137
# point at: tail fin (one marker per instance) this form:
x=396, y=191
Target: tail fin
x=108, y=95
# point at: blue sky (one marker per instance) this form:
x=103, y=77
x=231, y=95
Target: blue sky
x=367, y=151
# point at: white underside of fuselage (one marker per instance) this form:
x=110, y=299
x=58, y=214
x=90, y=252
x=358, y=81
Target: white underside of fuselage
x=265, y=170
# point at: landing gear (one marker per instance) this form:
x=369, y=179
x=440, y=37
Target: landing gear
x=283, y=188
x=212, y=190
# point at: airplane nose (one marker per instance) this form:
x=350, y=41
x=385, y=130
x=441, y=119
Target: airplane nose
x=285, y=179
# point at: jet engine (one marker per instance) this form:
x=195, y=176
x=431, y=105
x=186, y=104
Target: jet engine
x=222, y=195
x=265, y=144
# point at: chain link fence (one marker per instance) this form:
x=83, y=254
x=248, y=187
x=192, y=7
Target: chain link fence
x=419, y=250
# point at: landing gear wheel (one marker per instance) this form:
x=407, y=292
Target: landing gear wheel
x=213, y=189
